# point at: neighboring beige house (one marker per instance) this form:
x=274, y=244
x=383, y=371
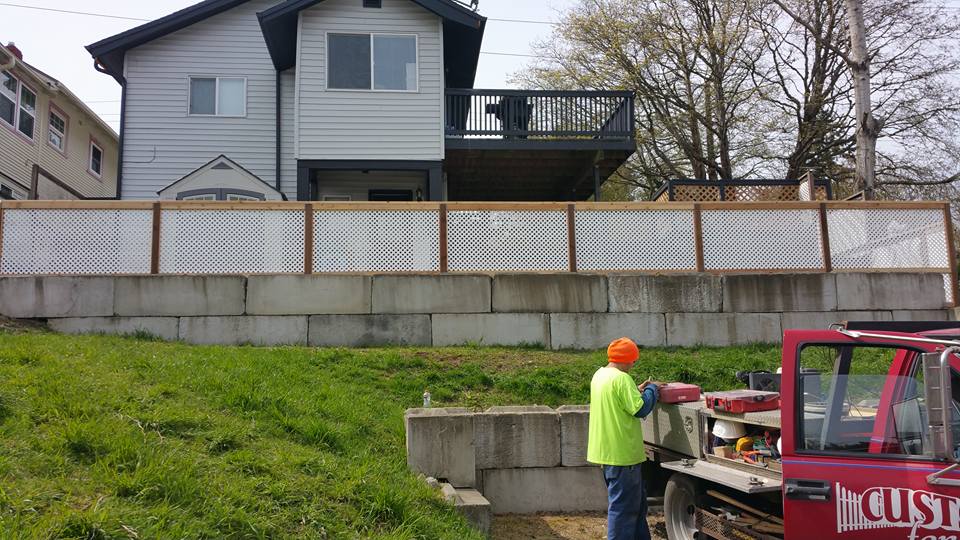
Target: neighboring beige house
x=52, y=146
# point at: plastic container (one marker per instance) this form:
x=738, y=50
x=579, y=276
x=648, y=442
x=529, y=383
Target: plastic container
x=743, y=401
x=679, y=393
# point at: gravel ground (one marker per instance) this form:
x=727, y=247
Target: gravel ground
x=562, y=527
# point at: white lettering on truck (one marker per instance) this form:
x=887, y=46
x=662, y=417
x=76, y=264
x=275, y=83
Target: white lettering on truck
x=889, y=507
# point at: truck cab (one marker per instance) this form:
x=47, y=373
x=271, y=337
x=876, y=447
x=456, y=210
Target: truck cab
x=869, y=429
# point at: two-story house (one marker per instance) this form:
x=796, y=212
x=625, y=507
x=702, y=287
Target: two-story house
x=52, y=146
x=345, y=100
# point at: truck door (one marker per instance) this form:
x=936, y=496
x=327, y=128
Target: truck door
x=856, y=447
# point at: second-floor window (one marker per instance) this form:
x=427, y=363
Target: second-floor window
x=386, y=62
x=18, y=104
x=218, y=96
x=57, y=135
x=96, y=159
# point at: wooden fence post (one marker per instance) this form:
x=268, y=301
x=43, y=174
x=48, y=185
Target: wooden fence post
x=308, y=238
x=155, y=242
x=443, y=238
x=698, y=237
x=951, y=252
x=825, y=239
x=572, y=236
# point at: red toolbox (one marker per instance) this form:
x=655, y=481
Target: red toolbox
x=679, y=393
x=743, y=401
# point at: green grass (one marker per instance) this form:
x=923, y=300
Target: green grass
x=107, y=437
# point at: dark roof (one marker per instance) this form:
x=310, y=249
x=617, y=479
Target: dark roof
x=463, y=32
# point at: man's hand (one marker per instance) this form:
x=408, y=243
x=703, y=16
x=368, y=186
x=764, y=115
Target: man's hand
x=645, y=384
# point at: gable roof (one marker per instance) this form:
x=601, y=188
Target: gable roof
x=467, y=32
x=222, y=162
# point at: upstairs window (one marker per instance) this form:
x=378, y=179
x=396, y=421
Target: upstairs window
x=372, y=3
x=57, y=132
x=385, y=62
x=218, y=96
x=96, y=159
x=18, y=104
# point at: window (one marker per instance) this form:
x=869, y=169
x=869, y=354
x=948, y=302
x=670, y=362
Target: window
x=57, y=132
x=219, y=194
x=200, y=197
x=385, y=62
x=18, y=104
x=337, y=198
x=96, y=159
x=241, y=197
x=372, y=3
x=6, y=193
x=218, y=96
x=848, y=403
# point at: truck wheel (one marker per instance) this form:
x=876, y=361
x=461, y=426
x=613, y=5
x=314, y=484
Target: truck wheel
x=679, y=507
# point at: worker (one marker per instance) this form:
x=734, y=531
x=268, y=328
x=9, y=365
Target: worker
x=615, y=439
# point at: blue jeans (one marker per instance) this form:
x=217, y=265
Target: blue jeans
x=626, y=503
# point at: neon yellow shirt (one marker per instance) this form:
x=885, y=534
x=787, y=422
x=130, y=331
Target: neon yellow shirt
x=615, y=436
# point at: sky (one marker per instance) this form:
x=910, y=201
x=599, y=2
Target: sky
x=53, y=42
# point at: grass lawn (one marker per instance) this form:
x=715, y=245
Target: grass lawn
x=108, y=437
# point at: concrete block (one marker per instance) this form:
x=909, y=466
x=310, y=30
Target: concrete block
x=476, y=508
x=505, y=329
x=722, y=329
x=186, y=296
x=553, y=293
x=440, y=444
x=251, y=329
x=431, y=294
x=308, y=295
x=558, y=489
x=901, y=291
x=597, y=330
x=574, y=427
x=693, y=293
x=922, y=315
x=519, y=436
x=166, y=328
x=38, y=297
x=369, y=330
x=813, y=320
x=775, y=293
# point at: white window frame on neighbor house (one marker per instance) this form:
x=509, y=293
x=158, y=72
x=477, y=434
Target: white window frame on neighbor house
x=95, y=144
x=216, y=96
x=51, y=130
x=373, y=82
x=18, y=108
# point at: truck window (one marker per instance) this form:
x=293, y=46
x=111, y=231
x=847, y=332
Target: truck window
x=849, y=402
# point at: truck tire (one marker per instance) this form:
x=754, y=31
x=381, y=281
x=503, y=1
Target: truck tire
x=679, y=508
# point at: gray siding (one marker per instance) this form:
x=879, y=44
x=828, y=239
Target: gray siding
x=162, y=143
x=288, y=160
x=367, y=124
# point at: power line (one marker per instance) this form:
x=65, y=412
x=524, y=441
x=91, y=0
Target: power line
x=521, y=21
x=510, y=54
x=74, y=12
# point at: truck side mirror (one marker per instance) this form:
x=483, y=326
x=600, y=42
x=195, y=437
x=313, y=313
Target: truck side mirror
x=939, y=398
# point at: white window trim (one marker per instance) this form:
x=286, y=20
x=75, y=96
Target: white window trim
x=63, y=136
x=373, y=82
x=17, y=107
x=216, y=96
x=93, y=144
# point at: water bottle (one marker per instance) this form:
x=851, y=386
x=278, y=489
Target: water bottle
x=426, y=399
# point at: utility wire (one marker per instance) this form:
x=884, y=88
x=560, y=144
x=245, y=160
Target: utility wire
x=73, y=12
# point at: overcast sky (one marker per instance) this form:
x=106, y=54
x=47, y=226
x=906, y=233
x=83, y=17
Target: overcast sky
x=53, y=42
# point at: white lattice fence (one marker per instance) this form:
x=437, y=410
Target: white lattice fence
x=881, y=238
x=376, y=241
x=222, y=241
x=507, y=240
x=622, y=240
x=762, y=239
x=76, y=241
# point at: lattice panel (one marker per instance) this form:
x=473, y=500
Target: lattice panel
x=635, y=240
x=376, y=241
x=521, y=240
x=761, y=193
x=696, y=193
x=887, y=238
x=76, y=241
x=231, y=241
x=762, y=240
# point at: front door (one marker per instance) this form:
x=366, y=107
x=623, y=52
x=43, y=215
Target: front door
x=856, y=451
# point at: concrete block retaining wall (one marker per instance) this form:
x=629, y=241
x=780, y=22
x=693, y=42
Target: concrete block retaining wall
x=557, y=311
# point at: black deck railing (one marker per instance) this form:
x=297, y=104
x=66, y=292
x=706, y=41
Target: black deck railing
x=540, y=114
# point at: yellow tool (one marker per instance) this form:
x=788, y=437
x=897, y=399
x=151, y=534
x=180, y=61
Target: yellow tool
x=744, y=444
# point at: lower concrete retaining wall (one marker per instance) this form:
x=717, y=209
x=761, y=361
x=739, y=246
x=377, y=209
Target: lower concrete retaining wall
x=557, y=311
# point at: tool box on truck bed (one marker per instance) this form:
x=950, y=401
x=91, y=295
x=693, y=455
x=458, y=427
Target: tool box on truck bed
x=679, y=393
x=743, y=401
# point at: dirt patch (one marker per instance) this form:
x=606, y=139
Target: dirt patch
x=17, y=326
x=562, y=527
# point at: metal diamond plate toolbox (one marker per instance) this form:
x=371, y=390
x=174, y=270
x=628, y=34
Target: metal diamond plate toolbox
x=762, y=239
x=507, y=240
x=376, y=241
x=76, y=241
x=635, y=240
x=231, y=241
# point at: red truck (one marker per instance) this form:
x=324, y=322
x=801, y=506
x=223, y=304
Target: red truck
x=868, y=426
